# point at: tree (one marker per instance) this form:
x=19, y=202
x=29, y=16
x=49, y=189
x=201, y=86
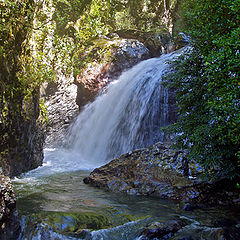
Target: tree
x=207, y=84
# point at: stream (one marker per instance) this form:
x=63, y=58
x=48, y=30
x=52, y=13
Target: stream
x=55, y=204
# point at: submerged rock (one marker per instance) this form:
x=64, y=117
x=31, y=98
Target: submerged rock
x=72, y=225
x=9, y=222
x=163, y=172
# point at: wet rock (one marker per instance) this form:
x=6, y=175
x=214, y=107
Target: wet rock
x=163, y=231
x=161, y=171
x=9, y=222
x=189, y=207
x=196, y=231
x=156, y=170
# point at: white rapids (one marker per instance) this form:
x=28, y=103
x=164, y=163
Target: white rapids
x=128, y=116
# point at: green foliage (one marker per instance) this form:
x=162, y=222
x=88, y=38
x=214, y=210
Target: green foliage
x=207, y=84
x=24, y=66
x=80, y=23
x=43, y=116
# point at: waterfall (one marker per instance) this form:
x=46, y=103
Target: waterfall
x=127, y=116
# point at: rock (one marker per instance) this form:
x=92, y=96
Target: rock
x=22, y=137
x=161, y=171
x=156, y=170
x=189, y=207
x=197, y=231
x=156, y=42
x=116, y=56
x=60, y=101
x=164, y=231
x=9, y=222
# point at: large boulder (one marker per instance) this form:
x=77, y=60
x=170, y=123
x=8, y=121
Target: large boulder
x=9, y=222
x=163, y=172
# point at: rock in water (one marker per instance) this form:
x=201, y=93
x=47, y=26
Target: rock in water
x=161, y=171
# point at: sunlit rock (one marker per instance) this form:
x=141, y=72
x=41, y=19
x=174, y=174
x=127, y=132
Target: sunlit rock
x=109, y=58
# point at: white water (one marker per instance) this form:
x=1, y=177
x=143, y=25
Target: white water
x=128, y=116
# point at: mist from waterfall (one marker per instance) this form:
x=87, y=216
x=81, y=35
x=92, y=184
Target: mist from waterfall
x=127, y=116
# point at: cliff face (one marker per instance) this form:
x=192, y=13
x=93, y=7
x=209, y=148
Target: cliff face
x=60, y=102
x=22, y=137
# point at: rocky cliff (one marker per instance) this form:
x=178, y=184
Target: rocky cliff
x=60, y=102
x=22, y=137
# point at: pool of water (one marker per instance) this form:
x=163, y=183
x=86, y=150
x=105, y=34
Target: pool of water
x=54, y=203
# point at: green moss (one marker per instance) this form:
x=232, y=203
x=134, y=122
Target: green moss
x=72, y=223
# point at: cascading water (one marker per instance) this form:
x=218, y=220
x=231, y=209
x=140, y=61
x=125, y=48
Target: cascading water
x=53, y=202
x=128, y=116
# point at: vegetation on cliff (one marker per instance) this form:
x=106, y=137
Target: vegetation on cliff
x=21, y=72
x=207, y=84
